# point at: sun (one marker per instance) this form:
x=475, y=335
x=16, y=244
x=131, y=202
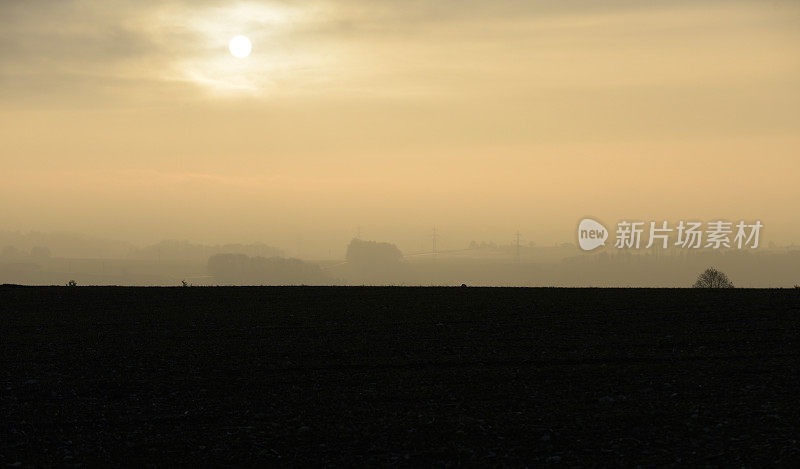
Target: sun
x=240, y=47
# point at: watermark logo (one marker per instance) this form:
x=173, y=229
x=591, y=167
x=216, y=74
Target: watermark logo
x=685, y=235
x=591, y=234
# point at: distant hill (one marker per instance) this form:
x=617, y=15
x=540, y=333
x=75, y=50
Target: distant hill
x=184, y=250
x=81, y=246
x=67, y=244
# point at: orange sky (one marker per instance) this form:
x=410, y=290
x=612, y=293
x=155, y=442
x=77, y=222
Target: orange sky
x=130, y=119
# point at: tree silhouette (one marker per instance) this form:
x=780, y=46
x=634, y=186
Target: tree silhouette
x=371, y=254
x=239, y=269
x=713, y=278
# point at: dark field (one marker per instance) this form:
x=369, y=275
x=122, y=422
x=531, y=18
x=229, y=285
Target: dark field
x=406, y=376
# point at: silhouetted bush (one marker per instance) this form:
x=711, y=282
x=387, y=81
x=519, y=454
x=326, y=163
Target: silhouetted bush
x=72, y=283
x=713, y=278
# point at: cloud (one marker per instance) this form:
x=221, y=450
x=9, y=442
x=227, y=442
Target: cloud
x=83, y=53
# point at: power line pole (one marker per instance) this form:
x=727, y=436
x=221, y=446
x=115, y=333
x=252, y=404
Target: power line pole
x=434, y=242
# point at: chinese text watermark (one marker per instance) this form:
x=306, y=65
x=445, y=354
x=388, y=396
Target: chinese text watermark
x=685, y=234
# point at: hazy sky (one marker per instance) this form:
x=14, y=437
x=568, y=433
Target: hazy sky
x=131, y=119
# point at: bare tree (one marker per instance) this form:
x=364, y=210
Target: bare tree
x=713, y=278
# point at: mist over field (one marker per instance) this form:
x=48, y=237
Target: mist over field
x=55, y=259
x=382, y=120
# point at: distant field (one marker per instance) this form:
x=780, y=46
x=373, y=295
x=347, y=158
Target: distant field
x=414, y=376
